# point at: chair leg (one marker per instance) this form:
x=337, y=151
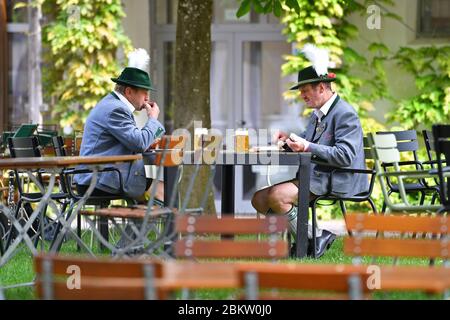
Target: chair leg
x=344, y=213
x=40, y=232
x=372, y=204
x=12, y=232
x=78, y=231
x=104, y=230
x=59, y=225
x=314, y=224
x=434, y=197
x=422, y=197
x=383, y=209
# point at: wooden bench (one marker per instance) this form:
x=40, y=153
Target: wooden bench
x=196, y=228
x=70, y=278
x=394, y=243
x=303, y=281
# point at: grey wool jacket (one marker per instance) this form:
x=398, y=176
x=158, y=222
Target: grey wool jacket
x=338, y=141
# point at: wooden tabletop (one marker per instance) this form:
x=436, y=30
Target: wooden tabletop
x=225, y=157
x=60, y=162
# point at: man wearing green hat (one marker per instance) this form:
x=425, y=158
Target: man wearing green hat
x=333, y=135
x=111, y=129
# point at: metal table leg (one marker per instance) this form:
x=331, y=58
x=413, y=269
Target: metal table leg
x=227, y=206
x=303, y=205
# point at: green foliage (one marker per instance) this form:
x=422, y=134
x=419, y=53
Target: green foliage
x=267, y=6
x=81, y=44
x=430, y=67
x=324, y=23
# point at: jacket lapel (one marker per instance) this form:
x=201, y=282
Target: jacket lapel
x=310, y=127
x=321, y=127
x=115, y=95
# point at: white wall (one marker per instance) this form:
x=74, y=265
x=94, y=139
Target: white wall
x=394, y=35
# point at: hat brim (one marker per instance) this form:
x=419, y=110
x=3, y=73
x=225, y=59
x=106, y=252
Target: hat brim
x=133, y=84
x=301, y=83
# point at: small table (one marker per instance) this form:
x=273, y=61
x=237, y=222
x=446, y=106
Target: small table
x=54, y=166
x=227, y=160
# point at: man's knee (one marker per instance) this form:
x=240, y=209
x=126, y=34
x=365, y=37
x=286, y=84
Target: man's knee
x=260, y=201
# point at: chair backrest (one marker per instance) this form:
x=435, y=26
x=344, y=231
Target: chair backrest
x=364, y=242
x=429, y=144
x=406, y=143
x=59, y=146
x=191, y=246
x=385, y=153
x=367, y=149
x=281, y=281
x=441, y=135
x=69, y=278
x=25, y=147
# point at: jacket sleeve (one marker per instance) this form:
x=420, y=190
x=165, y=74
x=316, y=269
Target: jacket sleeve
x=123, y=127
x=347, y=136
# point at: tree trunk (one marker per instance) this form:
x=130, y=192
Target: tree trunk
x=4, y=116
x=192, y=90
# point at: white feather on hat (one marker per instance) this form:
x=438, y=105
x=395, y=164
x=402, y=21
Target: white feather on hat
x=318, y=57
x=139, y=59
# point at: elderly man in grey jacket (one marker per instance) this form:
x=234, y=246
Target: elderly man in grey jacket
x=333, y=135
x=111, y=129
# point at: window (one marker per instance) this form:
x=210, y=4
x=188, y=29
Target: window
x=434, y=18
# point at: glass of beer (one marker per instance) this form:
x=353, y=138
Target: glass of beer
x=242, y=140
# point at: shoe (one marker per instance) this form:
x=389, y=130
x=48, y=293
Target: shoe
x=292, y=251
x=323, y=243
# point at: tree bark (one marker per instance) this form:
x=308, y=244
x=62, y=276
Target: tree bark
x=4, y=116
x=192, y=85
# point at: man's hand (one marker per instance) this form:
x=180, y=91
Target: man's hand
x=279, y=135
x=152, y=109
x=296, y=146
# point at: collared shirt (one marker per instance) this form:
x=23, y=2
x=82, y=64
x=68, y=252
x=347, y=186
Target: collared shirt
x=323, y=111
x=125, y=100
x=320, y=113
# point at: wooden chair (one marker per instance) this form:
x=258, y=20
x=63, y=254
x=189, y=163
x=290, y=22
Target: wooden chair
x=296, y=281
x=196, y=228
x=395, y=243
x=69, y=278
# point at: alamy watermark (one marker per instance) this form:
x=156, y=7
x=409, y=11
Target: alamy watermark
x=73, y=16
x=373, y=21
x=74, y=279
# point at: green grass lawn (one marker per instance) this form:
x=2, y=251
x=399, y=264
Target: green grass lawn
x=20, y=270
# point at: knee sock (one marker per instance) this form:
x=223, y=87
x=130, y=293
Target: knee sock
x=292, y=219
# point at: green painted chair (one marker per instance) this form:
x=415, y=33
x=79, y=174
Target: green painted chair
x=386, y=154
